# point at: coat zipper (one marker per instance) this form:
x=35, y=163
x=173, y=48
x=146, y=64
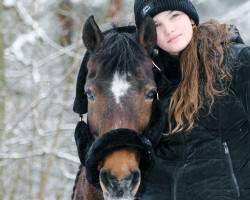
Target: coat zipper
x=179, y=166
x=229, y=161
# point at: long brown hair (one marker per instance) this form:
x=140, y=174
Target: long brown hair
x=202, y=63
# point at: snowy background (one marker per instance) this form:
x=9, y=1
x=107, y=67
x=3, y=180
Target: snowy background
x=40, y=55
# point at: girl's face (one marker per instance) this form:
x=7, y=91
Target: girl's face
x=174, y=31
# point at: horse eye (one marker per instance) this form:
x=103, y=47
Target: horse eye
x=151, y=94
x=90, y=95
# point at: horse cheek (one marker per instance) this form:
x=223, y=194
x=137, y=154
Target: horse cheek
x=144, y=114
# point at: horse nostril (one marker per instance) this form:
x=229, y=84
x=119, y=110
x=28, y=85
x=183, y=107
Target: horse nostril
x=136, y=177
x=106, y=179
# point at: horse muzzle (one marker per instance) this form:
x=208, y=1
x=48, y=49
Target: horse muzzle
x=114, y=188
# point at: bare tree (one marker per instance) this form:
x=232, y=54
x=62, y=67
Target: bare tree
x=40, y=55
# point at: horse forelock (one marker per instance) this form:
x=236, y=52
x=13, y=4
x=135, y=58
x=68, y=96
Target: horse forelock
x=118, y=53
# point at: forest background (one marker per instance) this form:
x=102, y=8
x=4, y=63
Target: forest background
x=40, y=55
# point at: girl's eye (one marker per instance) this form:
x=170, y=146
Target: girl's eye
x=174, y=16
x=157, y=25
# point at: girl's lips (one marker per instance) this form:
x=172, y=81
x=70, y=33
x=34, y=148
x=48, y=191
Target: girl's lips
x=173, y=38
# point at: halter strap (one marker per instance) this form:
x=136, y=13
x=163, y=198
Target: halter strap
x=157, y=94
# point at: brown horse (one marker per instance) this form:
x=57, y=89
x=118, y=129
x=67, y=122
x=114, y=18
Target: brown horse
x=120, y=88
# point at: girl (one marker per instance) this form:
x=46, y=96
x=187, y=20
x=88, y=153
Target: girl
x=204, y=153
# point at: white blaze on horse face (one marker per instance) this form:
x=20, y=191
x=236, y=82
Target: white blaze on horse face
x=119, y=86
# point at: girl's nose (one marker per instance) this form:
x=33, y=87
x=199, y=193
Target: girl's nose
x=168, y=29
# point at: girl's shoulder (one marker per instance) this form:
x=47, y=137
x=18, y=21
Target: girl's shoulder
x=240, y=53
x=236, y=43
x=240, y=66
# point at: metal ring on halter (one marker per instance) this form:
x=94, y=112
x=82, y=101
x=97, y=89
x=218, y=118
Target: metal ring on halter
x=81, y=117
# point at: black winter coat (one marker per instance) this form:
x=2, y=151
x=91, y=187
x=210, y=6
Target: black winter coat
x=212, y=162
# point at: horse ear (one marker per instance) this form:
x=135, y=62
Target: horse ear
x=91, y=34
x=146, y=35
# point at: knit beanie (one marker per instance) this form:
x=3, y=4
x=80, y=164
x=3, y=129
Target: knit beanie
x=142, y=8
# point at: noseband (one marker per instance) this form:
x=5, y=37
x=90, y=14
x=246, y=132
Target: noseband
x=115, y=140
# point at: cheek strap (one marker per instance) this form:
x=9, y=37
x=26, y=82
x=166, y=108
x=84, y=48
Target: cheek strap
x=83, y=139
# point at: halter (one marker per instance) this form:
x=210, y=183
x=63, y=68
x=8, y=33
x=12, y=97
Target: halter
x=93, y=152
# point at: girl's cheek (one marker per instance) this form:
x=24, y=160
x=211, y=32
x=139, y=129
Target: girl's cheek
x=159, y=40
x=158, y=37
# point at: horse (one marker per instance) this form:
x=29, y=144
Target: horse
x=120, y=88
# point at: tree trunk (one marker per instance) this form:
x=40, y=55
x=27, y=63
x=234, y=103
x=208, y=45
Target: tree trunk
x=2, y=85
x=66, y=23
x=114, y=8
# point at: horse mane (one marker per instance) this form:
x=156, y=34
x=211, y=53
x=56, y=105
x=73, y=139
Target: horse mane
x=119, y=51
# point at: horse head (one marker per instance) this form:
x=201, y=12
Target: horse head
x=120, y=89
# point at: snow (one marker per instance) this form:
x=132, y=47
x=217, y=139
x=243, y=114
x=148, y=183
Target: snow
x=9, y=3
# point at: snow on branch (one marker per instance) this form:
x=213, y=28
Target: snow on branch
x=39, y=31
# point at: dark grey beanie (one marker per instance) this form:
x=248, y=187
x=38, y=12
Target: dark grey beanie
x=142, y=8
